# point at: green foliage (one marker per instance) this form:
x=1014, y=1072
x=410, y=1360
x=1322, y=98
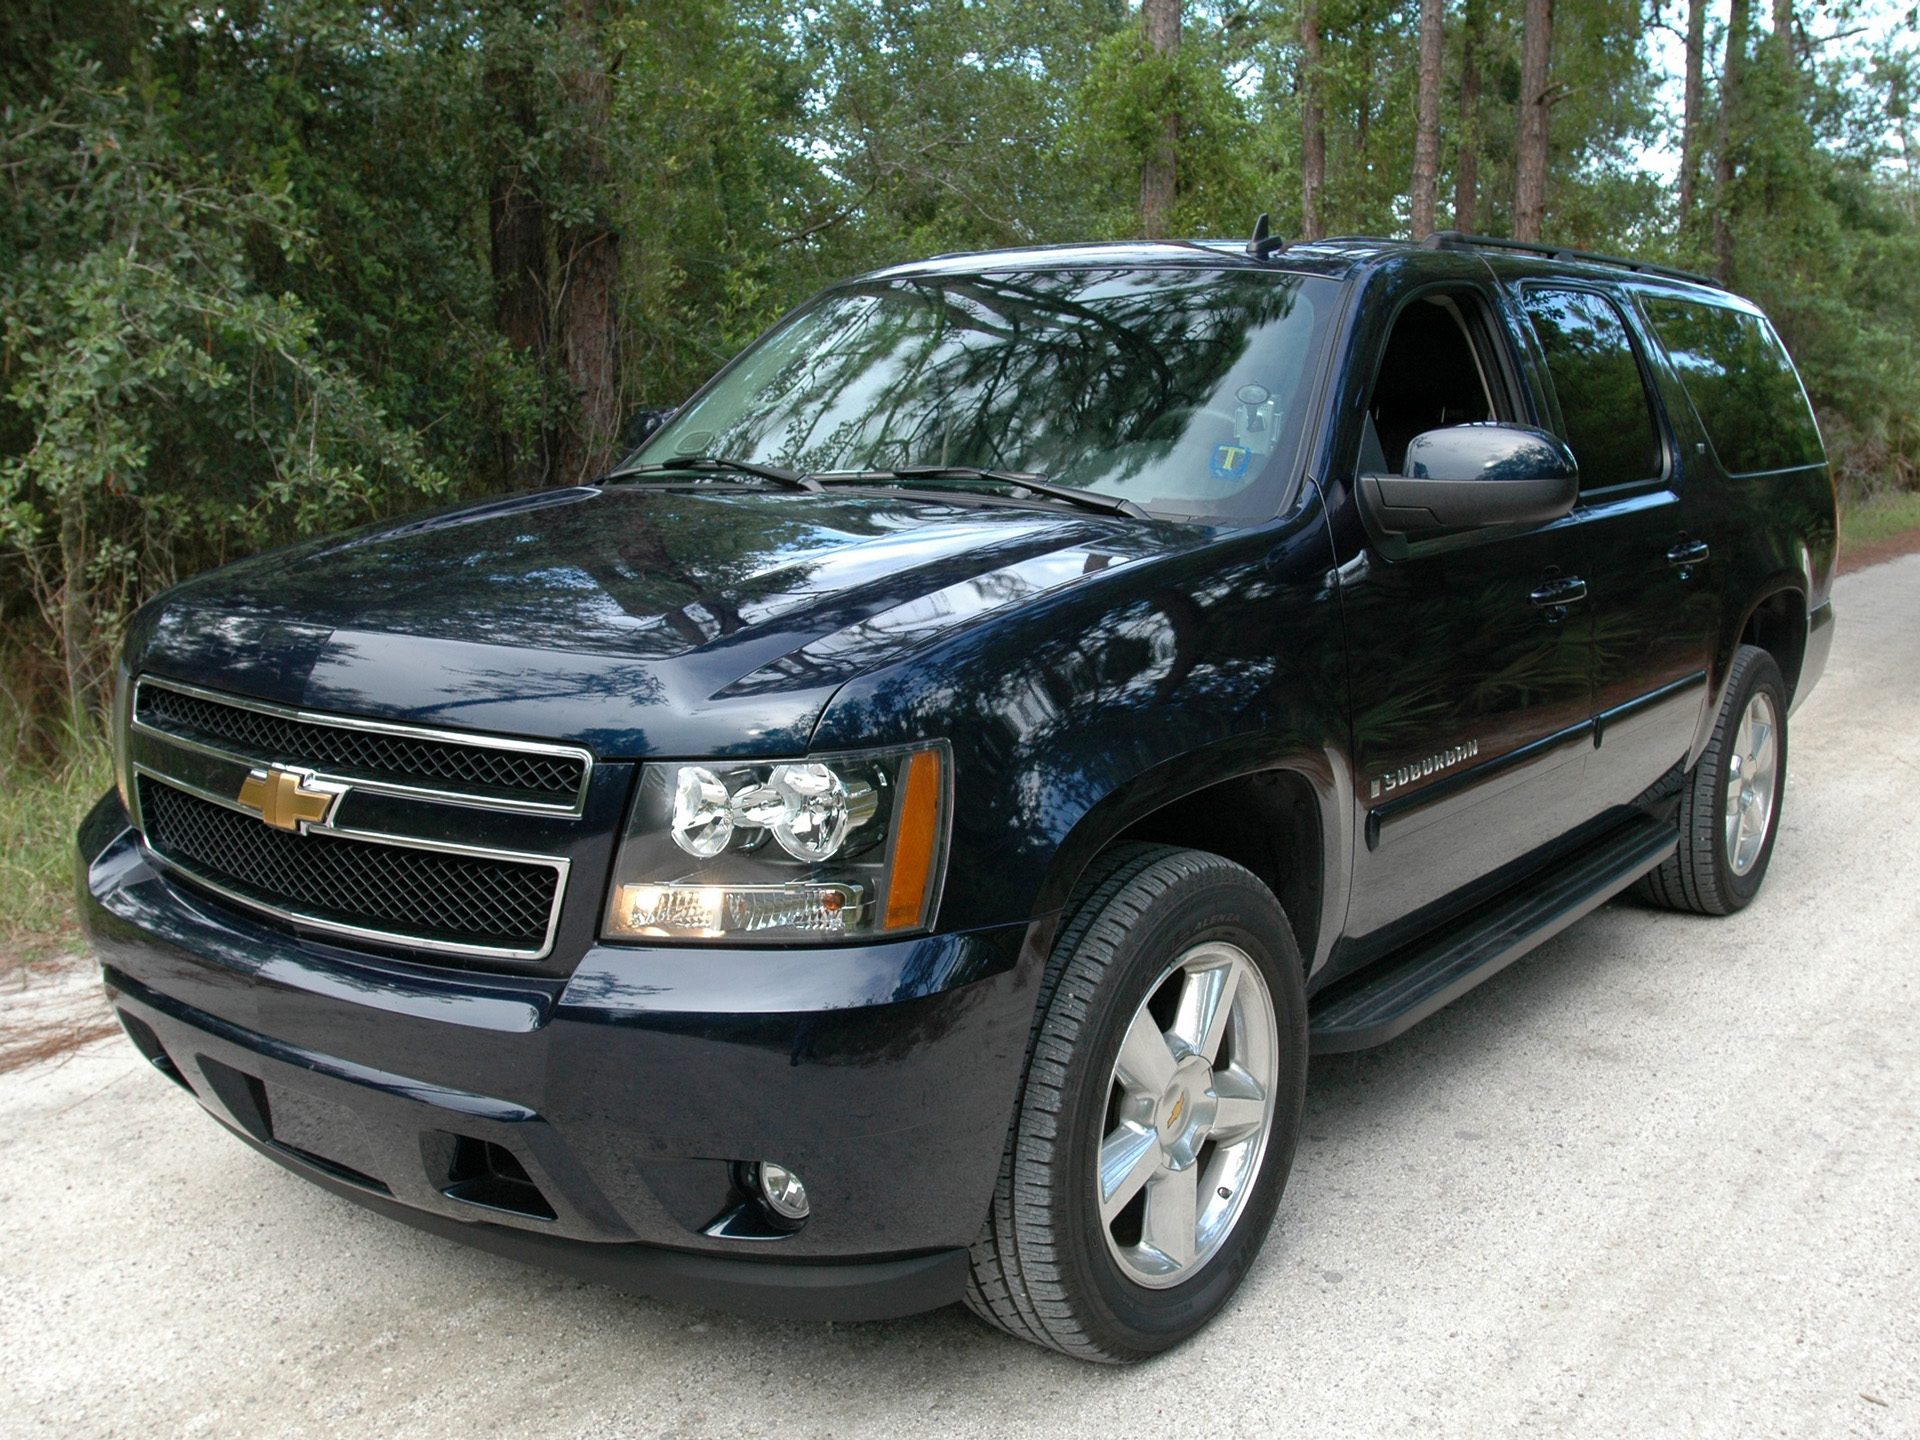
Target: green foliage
x=1824, y=236
x=722, y=217
x=169, y=406
x=940, y=126
x=1117, y=125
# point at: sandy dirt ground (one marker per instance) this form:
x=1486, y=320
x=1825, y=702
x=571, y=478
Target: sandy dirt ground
x=1662, y=1177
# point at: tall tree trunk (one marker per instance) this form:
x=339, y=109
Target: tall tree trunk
x=1426, y=139
x=1466, y=168
x=1732, y=76
x=1159, y=173
x=589, y=353
x=1783, y=36
x=1530, y=153
x=589, y=254
x=1363, y=117
x=1427, y=123
x=517, y=220
x=1691, y=98
x=517, y=232
x=1313, y=124
x=519, y=262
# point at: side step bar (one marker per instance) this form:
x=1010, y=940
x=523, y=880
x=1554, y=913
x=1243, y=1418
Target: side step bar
x=1392, y=996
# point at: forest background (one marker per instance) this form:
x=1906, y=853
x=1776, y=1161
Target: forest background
x=281, y=266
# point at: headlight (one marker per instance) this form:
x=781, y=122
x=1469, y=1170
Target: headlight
x=828, y=848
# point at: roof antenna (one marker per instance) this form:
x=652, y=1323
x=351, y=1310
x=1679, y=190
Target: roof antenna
x=1263, y=243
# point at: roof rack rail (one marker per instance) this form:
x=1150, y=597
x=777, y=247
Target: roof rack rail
x=1455, y=240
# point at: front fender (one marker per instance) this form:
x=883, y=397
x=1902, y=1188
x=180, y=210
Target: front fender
x=1074, y=716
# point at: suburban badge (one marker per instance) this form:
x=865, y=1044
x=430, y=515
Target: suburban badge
x=1407, y=774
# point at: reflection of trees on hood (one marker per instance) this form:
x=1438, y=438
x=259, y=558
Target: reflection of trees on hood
x=630, y=560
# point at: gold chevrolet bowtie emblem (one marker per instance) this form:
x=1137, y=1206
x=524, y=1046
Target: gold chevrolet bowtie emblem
x=288, y=799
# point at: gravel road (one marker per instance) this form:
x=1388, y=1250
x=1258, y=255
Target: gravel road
x=1661, y=1177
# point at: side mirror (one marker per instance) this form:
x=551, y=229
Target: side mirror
x=1468, y=475
x=643, y=425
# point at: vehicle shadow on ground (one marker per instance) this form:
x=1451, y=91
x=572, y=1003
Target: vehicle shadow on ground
x=1545, y=991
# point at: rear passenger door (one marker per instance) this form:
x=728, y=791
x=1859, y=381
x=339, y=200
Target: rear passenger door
x=1648, y=538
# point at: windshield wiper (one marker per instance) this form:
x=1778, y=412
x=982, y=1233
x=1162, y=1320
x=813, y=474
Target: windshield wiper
x=725, y=464
x=1038, y=484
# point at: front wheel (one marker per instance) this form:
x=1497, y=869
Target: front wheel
x=1730, y=803
x=1159, y=1113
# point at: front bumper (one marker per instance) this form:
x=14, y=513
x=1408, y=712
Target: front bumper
x=588, y=1123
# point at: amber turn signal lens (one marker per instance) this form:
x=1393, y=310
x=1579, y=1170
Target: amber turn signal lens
x=914, y=844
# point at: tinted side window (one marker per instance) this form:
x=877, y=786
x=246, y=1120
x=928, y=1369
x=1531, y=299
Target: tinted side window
x=1741, y=383
x=1604, y=411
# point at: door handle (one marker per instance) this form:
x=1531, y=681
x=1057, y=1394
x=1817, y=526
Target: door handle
x=1561, y=591
x=1688, y=552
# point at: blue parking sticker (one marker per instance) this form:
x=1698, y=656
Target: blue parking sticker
x=1230, y=461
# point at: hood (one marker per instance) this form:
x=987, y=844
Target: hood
x=636, y=619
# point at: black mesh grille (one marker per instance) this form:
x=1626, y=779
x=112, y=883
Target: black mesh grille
x=399, y=759
x=419, y=894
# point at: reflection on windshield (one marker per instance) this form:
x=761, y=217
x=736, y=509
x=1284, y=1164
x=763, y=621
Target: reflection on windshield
x=1180, y=390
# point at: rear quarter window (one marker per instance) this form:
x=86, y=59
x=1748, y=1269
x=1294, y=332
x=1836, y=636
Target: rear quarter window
x=1743, y=387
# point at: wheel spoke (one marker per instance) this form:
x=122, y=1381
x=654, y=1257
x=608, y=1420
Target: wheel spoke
x=1240, y=1108
x=1206, y=1005
x=1128, y=1158
x=1171, y=1217
x=1146, y=1063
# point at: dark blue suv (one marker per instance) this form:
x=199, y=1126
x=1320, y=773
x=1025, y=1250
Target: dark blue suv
x=899, y=837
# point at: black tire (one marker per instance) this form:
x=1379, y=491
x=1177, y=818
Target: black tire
x=1701, y=876
x=1042, y=1268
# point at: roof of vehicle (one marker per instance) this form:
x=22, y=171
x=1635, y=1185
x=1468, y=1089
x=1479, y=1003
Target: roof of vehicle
x=1337, y=258
x=1122, y=254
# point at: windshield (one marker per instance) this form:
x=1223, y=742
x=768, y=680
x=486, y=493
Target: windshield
x=1179, y=390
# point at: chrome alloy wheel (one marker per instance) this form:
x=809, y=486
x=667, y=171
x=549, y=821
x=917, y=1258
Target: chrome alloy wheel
x=1751, y=783
x=1189, y=1108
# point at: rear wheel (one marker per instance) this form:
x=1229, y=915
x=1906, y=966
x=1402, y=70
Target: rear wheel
x=1158, y=1117
x=1730, y=803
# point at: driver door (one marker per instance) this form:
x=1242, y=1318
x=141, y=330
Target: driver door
x=1469, y=652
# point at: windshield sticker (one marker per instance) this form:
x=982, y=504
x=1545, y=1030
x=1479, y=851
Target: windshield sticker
x=1230, y=461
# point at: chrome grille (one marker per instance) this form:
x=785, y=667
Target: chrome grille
x=402, y=759
x=364, y=887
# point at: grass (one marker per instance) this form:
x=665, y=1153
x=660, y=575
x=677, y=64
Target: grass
x=1881, y=517
x=40, y=804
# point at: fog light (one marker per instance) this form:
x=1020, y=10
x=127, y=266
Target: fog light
x=783, y=1192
